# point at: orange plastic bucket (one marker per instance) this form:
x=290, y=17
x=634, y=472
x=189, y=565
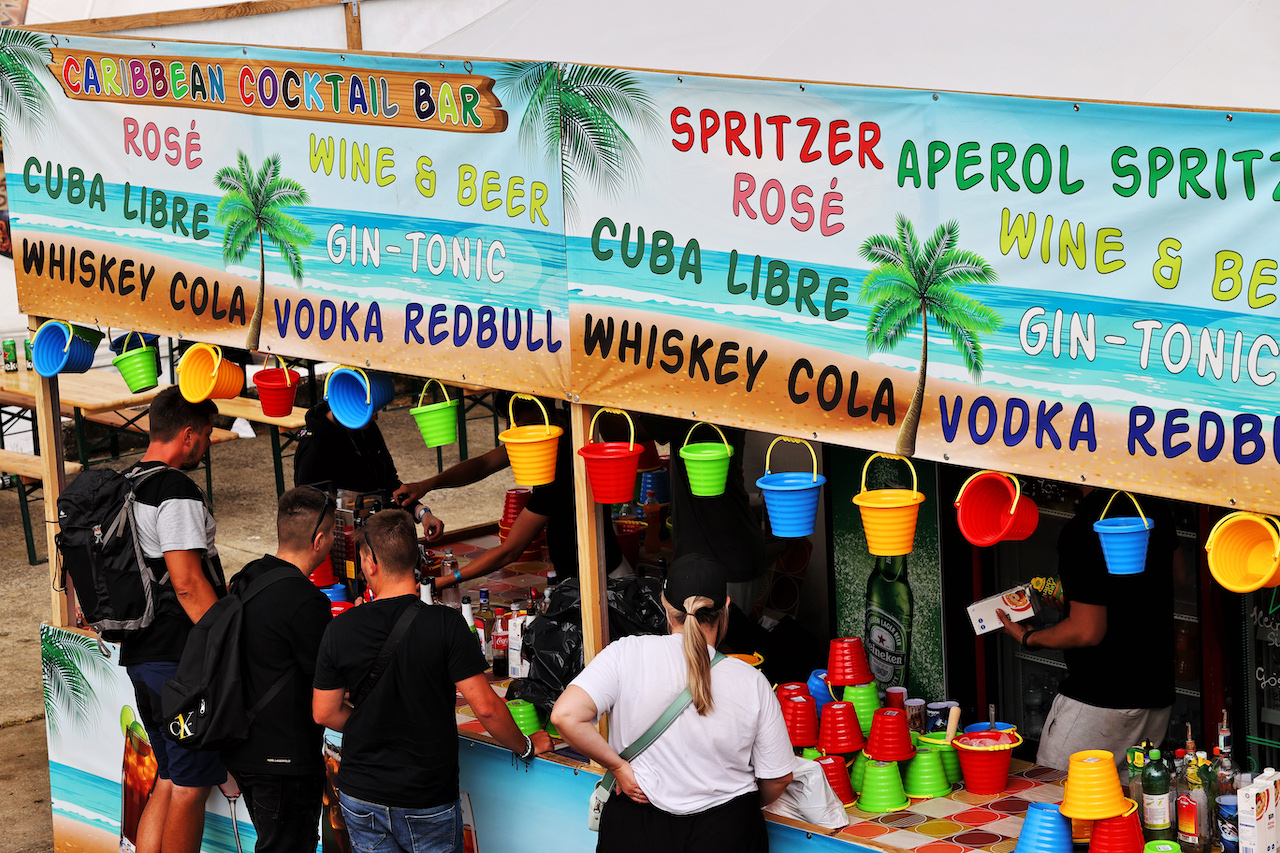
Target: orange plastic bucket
x=203, y=374
x=991, y=508
x=889, y=515
x=1244, y=551
x=531, y=449
x=612, y=465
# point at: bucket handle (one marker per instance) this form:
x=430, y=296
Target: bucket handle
x=426, y=385
x=714, y=427
x=70, y=332
x=511, y=410
x=368, y=386
x=1275, y=551
x=769, y=470
x=1145, y=523
x=284, y=365
x=592, y=429
x=1017, y=488
x=217, y=359
x=871, y=458
x=125, y=347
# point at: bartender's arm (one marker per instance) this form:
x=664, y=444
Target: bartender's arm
x=524, y=530
x=1084, y=626
x=465, y=473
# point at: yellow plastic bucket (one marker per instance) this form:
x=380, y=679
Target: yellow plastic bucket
x=203, y=374
x=889, y=515
x=531, y=449
x=1244, y=551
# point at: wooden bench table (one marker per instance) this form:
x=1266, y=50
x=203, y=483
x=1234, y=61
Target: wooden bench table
x=251, y=410
x=29, y=469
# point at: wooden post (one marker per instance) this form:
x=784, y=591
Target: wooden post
x=355, y=38
x=48, y=423
x=592, y=571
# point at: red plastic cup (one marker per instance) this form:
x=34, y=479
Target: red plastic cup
x=833, y=768
x=791, y=688
x=847, y=663
x=890, y=738
x=896, y=697
x=840, y=732
x=1117, y=834
x=800, y=713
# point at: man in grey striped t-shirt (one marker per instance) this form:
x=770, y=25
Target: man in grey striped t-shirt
x=175, y=531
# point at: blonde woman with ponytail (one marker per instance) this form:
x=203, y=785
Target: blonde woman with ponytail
x=701, y=785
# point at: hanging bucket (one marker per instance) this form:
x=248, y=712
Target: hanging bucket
x=1124, y=540
x=791, y=496
x=203, y=374
x=531, y=449
x=438, y=422
x=135, y=340
x=277, y=389
x=991, y=508
x=355, y=396
x=612, y=465
x=889, y=515
x=138, y=367
x=706, y=463
x=1244, y=551
x=57, y=349
x=92, y=337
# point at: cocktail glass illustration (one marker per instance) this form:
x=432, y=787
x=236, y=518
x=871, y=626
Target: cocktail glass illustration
x=138, y=778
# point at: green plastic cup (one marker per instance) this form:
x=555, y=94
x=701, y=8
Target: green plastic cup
x=937, y=741
x=858, y=772
x=525, y=714
x=811, y=753
x=882, y=788
x=866, y=701
x=925, y=777
x=1161, y=847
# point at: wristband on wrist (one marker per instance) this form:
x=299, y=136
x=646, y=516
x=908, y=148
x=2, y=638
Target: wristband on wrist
x=1025, y=636
x=528, y=749
x=457, y=576
x=420, y=512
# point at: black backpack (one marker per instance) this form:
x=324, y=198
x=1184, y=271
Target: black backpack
x=203, y=705
x=98, y=544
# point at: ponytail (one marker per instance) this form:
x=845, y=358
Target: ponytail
x=697, y=658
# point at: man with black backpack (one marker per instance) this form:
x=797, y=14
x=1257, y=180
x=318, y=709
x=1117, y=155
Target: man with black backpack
x=402, y=661
x=279, y=766
x=175, y=532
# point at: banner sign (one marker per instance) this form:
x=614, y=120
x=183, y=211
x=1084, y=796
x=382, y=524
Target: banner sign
x=1081, y=291
x=289, y=201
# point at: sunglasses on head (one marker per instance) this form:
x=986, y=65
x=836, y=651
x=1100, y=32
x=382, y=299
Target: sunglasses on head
x=324, y=510
x=369, y=543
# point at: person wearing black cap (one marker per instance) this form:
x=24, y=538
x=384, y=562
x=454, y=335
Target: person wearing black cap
x=701, y=785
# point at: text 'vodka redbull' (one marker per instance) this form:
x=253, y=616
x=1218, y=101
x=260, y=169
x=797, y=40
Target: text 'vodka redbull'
x=888, y=634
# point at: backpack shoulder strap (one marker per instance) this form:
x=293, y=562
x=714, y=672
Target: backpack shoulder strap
x=401, y=627
x=268, y=578
x=277, y=574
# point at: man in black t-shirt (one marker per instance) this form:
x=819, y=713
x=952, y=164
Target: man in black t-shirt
x=398, y=780
x=175, y=531
x=279, y=766
x=1117, y=637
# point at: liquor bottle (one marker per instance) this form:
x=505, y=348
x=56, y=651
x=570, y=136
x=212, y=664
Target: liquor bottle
x=486, y=616
x=1157, y=817
x=889, y=621
x=452, y=594
x=470, y=619
x=1193, y=808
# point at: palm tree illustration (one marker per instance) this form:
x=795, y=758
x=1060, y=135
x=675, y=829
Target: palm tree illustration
x=574, y=116
x=69, y=661
x=911, y=284
x=24, y=102
x=252, y=210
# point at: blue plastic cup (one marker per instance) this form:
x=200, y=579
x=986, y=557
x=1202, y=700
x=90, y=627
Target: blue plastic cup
x=1044, y=830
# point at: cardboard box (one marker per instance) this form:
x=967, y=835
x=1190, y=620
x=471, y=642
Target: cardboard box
x=1020, y=603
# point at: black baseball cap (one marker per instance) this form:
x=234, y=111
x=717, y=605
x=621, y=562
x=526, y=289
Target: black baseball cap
x=696, y=574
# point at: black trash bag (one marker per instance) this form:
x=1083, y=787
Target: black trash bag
x=553, y=641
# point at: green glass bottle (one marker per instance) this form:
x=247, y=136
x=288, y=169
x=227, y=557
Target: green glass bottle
x=888, y=634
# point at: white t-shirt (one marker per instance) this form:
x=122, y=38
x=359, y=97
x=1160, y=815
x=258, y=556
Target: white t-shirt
x=699, y=762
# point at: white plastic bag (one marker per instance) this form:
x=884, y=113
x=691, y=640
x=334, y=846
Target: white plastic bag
x=810, y=798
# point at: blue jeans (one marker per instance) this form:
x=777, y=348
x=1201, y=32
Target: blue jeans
x=389, y=829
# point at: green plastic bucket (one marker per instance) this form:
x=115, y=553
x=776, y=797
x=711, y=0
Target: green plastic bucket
x=137, y=366
x=438, y=422
x=706, y=463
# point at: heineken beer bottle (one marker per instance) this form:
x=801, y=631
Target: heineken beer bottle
x=888, y=635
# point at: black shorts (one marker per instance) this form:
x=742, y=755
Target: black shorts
x=737, y=826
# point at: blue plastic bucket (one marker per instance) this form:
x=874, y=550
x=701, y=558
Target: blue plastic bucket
x=56, y=349
x=791, y=496
x=355, y=396
x=982, y=727
x=1124, y=539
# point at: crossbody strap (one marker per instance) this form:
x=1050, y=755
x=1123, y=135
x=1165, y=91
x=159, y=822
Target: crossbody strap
x=660, y=725
x=365, y=687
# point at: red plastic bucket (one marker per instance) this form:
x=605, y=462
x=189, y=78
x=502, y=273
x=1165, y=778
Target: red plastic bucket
x=985, y=760
x=277, y=389
x=612, y=465
x=991, y=508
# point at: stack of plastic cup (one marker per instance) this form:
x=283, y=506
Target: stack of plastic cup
x=882, y=788
x=833, y=768
x=820, y=690
x=525, y=714
x=810, y=753
x=791, y=688
x=925, y=777
x=1044, y=830
x=937, y=741
x=890, y=739
x=840, y=732
x=866, y=701
x=1118, y=834
x=801, y=716
x=858, y=772
x=847, y=663
x=1093, y=786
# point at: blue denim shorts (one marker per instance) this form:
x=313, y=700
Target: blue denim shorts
x=389, y=829
x=187, y=768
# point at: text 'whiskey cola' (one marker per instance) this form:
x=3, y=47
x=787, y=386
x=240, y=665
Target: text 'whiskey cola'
x=888, y=634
